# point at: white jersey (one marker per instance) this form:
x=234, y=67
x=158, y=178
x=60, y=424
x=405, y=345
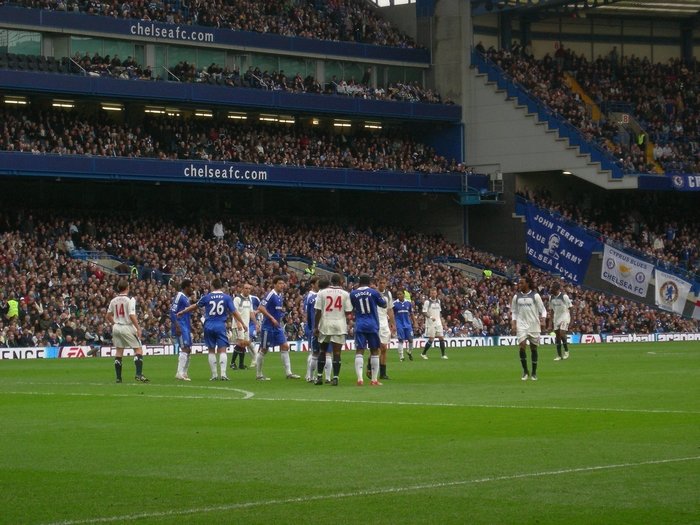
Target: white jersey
x=244, y=305
x=383, y=313
x=526, y=310
x=559, y=305
x=121, y=307
x=433, y=309
x=333, y=303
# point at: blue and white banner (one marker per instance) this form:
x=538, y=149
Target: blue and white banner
x=625, y=271
x=686, y=182
x=671, y=291
x=554, y=245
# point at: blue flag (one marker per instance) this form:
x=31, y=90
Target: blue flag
x=556, y=246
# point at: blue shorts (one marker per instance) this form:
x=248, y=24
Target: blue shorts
x=404, y=334
x=215, y=336
x=273, y=337
x=184, y=339
x=252, y=331
x=367, y=340
x=313, y=344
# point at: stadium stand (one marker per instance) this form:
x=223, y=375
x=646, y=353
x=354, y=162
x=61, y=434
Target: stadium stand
x=60, y=295
x=339, y=20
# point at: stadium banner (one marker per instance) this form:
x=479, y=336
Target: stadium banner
x=696, y=310
x=22, y=353
x=686, y=182
x=671, y=292
x=148, y=349
x=556, y=246
x=629, y=338
x=625, y=271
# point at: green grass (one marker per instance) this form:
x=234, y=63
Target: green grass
x=458, y=441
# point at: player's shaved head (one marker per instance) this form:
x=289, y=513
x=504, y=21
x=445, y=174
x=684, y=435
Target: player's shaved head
x=336, y=279
x=365, y=279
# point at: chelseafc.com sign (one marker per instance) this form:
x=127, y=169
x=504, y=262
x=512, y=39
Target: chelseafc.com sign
x=207, y=172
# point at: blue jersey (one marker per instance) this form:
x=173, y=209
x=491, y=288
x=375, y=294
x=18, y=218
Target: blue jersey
x=274, y=304
x=180, y=302
x=218, y=306
x=310, y=310
x=365, y=301
x=255, y=302
x=402, y=313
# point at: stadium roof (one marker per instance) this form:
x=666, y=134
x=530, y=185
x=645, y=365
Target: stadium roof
x=636, y=8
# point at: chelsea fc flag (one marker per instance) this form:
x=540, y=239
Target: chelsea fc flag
x=671, y=292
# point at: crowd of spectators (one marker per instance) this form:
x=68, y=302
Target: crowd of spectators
x=94, y=65
x=659, y=225
x=334, y=20
x=63, y=300
x=547, y=81
x=62, y=132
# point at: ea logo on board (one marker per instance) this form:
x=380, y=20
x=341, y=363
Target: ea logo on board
x=668, y=293
x=678, y=181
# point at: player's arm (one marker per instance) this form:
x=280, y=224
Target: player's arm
x=542, y=309
x=426, y=313
x=174, y=320
x=265, y=313
x=514, y=314
x=110, y=318
x=135, y=322
x=317, y=317
x=239, y=320
x=190, y=308
x=392, y=320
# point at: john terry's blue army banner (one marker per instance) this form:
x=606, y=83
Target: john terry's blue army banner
x=556, y=246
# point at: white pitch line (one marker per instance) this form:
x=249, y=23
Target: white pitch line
x=250, y=395
x=360, y=493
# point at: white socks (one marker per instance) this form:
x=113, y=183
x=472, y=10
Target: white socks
x=212, y=363
x=359, y=366
x=311, y=365
x=253, y=353
x=223, y=361
x=181, y=363
x=374, y=364
x=287, y=364
x=400, y=349
x=329, y=367
x=259, y=364
x=186, y=368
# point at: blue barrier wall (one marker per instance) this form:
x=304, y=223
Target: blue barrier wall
x=184, y=34
x=119, y=168
x=178, y=92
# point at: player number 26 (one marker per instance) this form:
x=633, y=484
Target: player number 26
x=216, y=307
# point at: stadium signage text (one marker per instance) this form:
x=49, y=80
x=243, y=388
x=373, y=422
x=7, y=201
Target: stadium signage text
x=625, y=271
x=173, y=33
x=686, y=182
x=554, y=245
x=207, y=172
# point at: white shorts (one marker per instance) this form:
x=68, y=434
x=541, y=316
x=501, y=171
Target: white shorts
x=561, y=325
x=384, y=335
x=124, y=336
x=242, y=335
x=530, y=337
x=434, y=330
x=338, y=339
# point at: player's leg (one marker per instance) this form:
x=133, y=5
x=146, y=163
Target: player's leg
x=321, y=361
x=374, y=359
x=427, y=346
x=223, y=361
x=118, y=364
x=401, y=345
x=523, y=357
x=138, y=362
x=328, y=370
x=183, y=359
x=533, y=357
x=564, y=340
x=442, y=346
x=210, y=343
x=284, y=353
x=311, y=363
x=337, y=347
x=262, y=352
x=360, y=346
x=382, y=362
x=212, y=364
x=239, y=353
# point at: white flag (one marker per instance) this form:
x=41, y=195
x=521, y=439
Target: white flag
x=626, y=272
x=671, y=291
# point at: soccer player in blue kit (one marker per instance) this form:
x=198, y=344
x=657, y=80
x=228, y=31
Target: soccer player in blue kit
x=365, y=301
x=182, y=329
x=403, y=316
x=218, y=306
x=309, y=313
x=272, y=309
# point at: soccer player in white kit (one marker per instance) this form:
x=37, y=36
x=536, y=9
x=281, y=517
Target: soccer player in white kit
x=244, y=305
x=125, y=330
x=559, y=304
x=432, y=311
x=330, y=324
x=386, y=326
x=528, y=316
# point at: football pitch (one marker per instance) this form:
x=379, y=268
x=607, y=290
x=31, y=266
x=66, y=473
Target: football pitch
x=609, y=436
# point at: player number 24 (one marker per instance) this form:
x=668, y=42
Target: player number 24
x=334, y=305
